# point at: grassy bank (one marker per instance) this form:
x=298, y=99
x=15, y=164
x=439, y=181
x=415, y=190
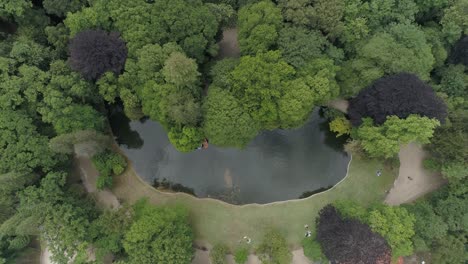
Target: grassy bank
x=216, y=221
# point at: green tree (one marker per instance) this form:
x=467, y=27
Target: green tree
x=61, y=8
x=159, y=235
x=341, y=126
x=259, y=25
x=23, y=148
x=180, y=70
x=450, y=250
x=428, y=225
x=327, y=15
x=385, y=140
x=299, y=45
x=295, y=105
x=83, y=143
x=298, y=12
x=76, y=118
x=273, y=249
x=225, y=121
x=396, y=225
x=454, y=21
x=259, y=93
x=108, y=231
x=14, y=7
x=186, y=139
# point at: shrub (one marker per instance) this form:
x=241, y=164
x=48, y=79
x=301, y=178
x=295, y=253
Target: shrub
x=108, y=163
x=241, y=255
x=274, y=249
x=398, y=95
x=312, y=250
x=94, y=52
x=218, y=254
x=341, y=126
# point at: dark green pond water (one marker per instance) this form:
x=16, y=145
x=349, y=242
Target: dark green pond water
x=277, y=165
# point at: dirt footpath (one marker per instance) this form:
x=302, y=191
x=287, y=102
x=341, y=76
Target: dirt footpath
x=413, y=179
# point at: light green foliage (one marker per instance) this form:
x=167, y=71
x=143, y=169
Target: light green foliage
x=385, y=140
x=57, y=36
x=159, y=235
x=295, y=105
x=351, y=209
x=455, y=170
x=241, y=255
x=259, y=25
x=94, y=17
x=107, y=85
x=299, y=45
x=22, y=149
x=14, y=7
x=108, y=231
x=180, y=70
x=186, y=139
x=319, y=75
x=132, y=104
x=434, y=36
x=218, y=254
x=454, y=21
x=75, y=118
x=152, y=58
x=108, y=164
x=396, y=225
x=450, y=250
x=225, y=121
x=341, y=126
x=273, y=249
x=62, y=7
x=313, y=250
x=259, y=93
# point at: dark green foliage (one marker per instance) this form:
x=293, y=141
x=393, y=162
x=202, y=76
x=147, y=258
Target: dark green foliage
x=108, y=231
x=450, y=250
x=76, y=118
x=94, y=52
x=445, y=146
x=460, y=52
x=400, y=95
x=273, y=249
x=159, y=235
x=348, y=240
x=454, y=81
x=218, y=254
x=108, y=164
x=62, y=7
x=299, y=45
x=22, y=149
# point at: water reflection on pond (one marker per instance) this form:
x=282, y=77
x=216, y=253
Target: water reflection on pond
x=277, y=165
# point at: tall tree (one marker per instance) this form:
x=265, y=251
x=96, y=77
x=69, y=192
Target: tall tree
x=259, y=25
x=400, y=95
x=350, y=241
x=94, y=52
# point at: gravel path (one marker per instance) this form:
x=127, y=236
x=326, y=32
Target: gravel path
x=339, y=104
x=413, y=179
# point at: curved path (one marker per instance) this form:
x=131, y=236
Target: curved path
x=413, y=179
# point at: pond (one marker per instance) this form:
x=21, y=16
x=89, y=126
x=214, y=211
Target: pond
x=277, y=165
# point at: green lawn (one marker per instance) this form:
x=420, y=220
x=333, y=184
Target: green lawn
x=216, y=221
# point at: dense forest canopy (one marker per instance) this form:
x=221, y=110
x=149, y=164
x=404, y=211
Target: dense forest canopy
x=403, y=65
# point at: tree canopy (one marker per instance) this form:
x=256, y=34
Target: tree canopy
x=400, y=95
x=350, y=241
x=94, y=52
